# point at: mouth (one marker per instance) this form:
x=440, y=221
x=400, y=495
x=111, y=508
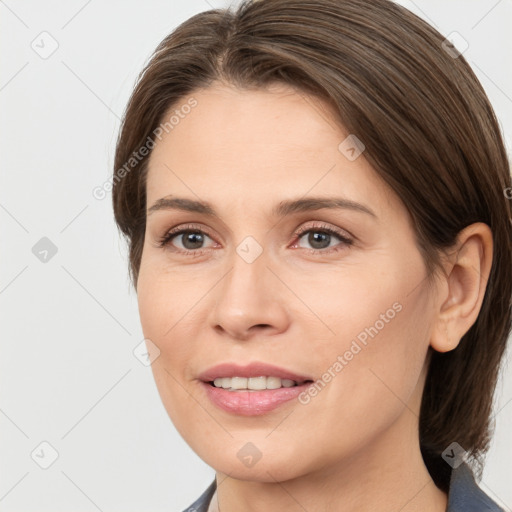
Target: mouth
x=252, y=390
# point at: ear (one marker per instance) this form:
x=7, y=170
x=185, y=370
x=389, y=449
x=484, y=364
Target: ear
x=463, y=286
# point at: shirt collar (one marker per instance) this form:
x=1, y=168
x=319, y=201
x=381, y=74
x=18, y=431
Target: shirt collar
x=465, y=495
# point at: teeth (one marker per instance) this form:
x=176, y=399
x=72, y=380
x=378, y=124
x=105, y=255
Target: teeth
x=274, y=382
x=253, y=383
x=235, y=383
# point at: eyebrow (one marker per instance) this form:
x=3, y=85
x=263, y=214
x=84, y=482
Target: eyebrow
x=280, y=210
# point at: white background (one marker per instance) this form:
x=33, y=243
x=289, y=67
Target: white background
x=69, y=326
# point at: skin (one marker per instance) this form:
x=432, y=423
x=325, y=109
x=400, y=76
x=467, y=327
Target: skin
x=355, y=445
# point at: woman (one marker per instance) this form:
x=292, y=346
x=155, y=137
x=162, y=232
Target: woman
x=314, y=197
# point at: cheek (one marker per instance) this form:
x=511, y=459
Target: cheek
x=160, y=312
x=167, y=300
x=170, y=316
x=366, y=317
x=360, y=401
x=379, y=352
x=370, y=366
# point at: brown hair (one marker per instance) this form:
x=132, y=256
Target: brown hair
x=429, y=131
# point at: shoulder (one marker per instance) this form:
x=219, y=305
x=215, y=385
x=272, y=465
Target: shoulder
x=465, y=495
x=202, y=503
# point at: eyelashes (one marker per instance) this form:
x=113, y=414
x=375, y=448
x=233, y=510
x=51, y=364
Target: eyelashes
x=326, y=231
x=165, y=241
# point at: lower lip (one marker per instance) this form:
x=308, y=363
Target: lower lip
x=252, y=403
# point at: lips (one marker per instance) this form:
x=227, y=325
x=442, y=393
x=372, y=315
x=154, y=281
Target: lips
x=249, y=402
x=255, y=369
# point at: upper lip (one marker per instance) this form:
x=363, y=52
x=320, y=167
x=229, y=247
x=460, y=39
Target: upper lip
x=255, y=369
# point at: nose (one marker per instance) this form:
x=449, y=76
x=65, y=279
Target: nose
x=249, y=301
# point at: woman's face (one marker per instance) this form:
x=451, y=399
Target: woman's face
x=334, y=294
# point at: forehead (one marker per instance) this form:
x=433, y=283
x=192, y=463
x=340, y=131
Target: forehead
x=276, y=117
x=258, y=144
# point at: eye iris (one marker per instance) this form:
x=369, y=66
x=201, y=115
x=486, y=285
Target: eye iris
x=195, y=238
x=316, y=237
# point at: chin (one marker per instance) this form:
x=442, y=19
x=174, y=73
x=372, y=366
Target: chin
x=259, y=461
x=264, y=472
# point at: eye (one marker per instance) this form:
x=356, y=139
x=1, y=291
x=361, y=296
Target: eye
x=190, y=239
x=185, y=239
x=320, y=238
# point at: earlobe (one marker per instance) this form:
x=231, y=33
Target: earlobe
x=443, y=338
x=464, y=284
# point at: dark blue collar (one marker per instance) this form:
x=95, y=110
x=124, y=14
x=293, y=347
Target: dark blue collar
x=464, y=494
